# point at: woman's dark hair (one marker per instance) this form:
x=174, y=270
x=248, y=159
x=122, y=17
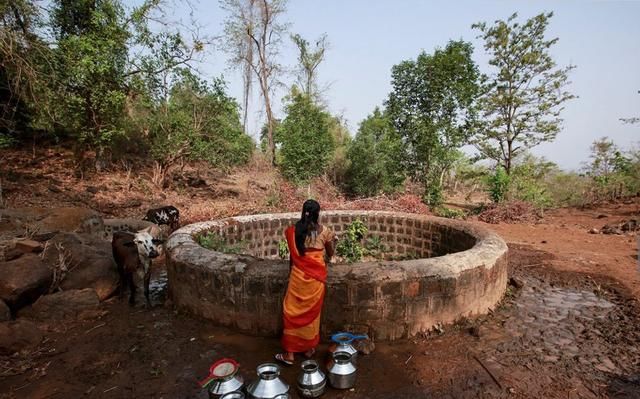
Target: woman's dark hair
x=307, y=224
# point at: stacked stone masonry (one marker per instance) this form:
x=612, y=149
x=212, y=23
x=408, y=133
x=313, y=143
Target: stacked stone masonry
x=460, y=271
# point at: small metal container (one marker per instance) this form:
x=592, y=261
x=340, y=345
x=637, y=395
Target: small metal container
x=233, y=395
x=343, y=343
x=311, y=382
x=268, y=385
x=341, y=371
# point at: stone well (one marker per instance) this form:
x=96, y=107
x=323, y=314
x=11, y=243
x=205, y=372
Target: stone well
x=461, y=272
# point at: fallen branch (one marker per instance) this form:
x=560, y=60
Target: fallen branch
x=488, y=372
x=93, y=328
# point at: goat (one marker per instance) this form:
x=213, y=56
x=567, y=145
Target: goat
x=168, y=215
x=133, y=253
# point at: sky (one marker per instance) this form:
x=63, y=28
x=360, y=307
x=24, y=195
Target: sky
x=368, y=37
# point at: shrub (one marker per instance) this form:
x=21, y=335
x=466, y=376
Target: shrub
x=450, y=213
x=216, y=242
x=350, y=243
x=498, y=185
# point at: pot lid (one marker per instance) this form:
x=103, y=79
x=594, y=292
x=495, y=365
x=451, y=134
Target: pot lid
x=221, y=369
x=346, y=338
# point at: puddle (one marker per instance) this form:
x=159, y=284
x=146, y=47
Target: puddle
x=158, y=287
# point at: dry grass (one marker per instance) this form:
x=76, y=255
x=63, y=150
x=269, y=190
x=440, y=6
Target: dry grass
x=509, y=212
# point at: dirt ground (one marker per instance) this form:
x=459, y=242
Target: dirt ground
x=568, y=328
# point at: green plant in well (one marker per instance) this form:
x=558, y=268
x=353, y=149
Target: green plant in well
x=216, y=242
x=450, y=213
x=283, y=249
x=374, y=246
x=350, y=244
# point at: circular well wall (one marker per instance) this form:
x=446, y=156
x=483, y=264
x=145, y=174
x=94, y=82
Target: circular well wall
x=461, y=271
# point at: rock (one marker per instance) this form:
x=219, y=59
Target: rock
x=18, y=336
x=89, y=263
x=72, y=304
x=44, y=222
x=631, y=225
x=594, y=231
x=475, y=331
x=365, y=346
x=93, y=190
x=5, y=312
x=28, y=246
x=610, y=229
x=516, y=282
x=601, y=216
x=54, y=189
x=23, y=280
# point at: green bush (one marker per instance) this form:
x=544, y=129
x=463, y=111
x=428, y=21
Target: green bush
x=216, y=242
x=498, y=184
x=350, y=244
x=450, y=213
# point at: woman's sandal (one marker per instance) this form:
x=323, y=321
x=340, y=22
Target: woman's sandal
x=309, y=354
x=280, y=357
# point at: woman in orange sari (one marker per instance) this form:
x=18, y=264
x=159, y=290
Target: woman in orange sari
x=309, y=243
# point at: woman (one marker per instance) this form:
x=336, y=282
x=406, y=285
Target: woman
x=308, y=243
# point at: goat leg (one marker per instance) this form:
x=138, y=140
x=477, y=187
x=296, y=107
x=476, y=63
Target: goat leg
x=147, y=278
x=132, y=289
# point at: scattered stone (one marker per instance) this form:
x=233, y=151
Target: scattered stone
x=23, y=280
x=601, y=216
x=54, y=189
x=18, y=336
x=543, y=241
x=550, y=359
x=29, y=246
x=475, y=331
x=89, y=263
x=5, y=312
x=594, y=231
x=516, y=282
x=364, y=346
x=611, y=229
x=93, y=190
x=11, y=253
x=72, y=304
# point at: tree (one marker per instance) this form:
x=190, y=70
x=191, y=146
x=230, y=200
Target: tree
x=308, y=61
x=105, y=55
x=259, y=19
x=375, y=157
x=239, y=45
x=197, y=121
x=523, y=99
x=307, y=144
x=431, y=105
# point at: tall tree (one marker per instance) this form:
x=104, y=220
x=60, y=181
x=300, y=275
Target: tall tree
x=239, y=45
x=523, y=98
x=431, y=105
x=308, y=61
x=260, y=20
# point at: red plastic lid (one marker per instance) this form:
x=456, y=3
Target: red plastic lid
x=223, y=368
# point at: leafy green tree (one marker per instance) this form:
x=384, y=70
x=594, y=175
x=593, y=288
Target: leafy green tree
x=375, y=157
x=523, y=98
x=198, y=121
x=431, y=105
x=339, y=163
x=307, y=144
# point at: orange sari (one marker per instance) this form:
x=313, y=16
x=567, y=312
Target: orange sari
x=305, y=294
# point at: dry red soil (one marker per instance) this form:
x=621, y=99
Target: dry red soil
x=570, y=331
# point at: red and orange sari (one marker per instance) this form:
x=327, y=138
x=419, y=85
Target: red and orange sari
x=305, y=294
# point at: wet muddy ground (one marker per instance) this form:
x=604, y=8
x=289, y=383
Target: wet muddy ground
x=556, y=335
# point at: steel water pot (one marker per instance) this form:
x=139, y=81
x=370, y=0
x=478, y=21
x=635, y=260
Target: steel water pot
x=311, y=382
x=268, y=385
x=233, y=395
x=343, y=343
x=341, y=371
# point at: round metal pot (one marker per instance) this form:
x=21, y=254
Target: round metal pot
x=341, y=371
x=225, y=378
x=233, y=395
x=311, y=382
x=268, y=385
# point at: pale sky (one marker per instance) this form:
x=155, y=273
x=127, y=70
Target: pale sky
x=368, y=37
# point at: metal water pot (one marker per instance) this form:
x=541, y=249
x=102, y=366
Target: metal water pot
x=233, y=395
x=311, y=382
x=343, y=343
x=268, y=385
x=341, y=371
x=223, y=378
